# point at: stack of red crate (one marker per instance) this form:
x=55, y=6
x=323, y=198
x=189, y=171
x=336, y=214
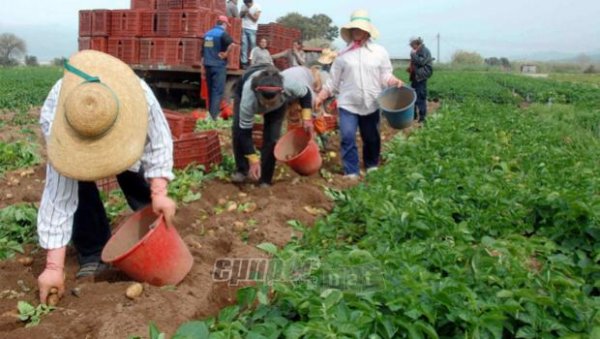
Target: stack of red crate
x=155, y=32
x=107, y=185
x=202, y=148
x=280, y=37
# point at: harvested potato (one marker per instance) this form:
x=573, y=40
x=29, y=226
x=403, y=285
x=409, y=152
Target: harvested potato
x=52, y=300
x=134, y=290
x=232, y=206
x=25, y=261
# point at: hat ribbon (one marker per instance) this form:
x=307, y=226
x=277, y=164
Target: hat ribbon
x=356, y=18
x=80, y=73
x=269, y=89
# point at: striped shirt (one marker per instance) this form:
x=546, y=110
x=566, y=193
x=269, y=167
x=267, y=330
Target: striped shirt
x=60, y=197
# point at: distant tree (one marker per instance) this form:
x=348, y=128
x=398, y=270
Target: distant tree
x=319, y=26
x=504, y=62
x=467, y=58
x=493, y=61
x=59, y=61
x=11, y=49
x=31, y=60
x=590, y=70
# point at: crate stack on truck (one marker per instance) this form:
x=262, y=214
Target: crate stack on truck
x=280, y=38
x=156, y=33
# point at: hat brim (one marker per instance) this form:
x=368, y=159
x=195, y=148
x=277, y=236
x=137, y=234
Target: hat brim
x=362, y=25
x=89, y=159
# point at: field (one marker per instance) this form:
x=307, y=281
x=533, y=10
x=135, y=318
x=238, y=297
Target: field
x=485, y=223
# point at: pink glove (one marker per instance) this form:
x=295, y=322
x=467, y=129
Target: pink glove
x=321, y=97
x=395, y=82
x=161, y=203
x=255, y=170
x=309, y=126
x=53, y=275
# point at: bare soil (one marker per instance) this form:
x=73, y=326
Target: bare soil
x=101, y=310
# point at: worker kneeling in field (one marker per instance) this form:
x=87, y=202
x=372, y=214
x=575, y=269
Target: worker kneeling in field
x=99, y=120
x=263, y=90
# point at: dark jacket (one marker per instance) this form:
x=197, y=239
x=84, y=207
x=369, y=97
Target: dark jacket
x=421, y=64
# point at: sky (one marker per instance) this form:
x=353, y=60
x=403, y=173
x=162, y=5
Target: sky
x=517, y=29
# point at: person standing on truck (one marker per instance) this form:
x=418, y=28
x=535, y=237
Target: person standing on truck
x=359, y=74
x=420, y=69
x=232, y=9
x=295, y=55
x=217, y=46
x=260, y=54
x=250, y=13
x=264, y=90
x=99, y=120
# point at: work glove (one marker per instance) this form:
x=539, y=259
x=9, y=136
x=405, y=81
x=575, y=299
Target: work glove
x=395, y=82
x=307, y=122
x=53, y=275
x=321, y=97
x=255, y=170
x=161, y=203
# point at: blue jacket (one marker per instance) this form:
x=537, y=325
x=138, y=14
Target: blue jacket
x=216, y=40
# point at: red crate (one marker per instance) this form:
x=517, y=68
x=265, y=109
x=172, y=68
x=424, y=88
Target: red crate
x=152, y=51
x=331, y=122
x=219, y=6
x=190, y=23
x=233, y=60
x=126, y=23
x=179, y=123
x=85, y=23
x=282, y=63
x=143, y=4
x=125, y=48
x=201, y=148
x=97, y=43
x=183, y=51
x=168, y=4
x=101, y=22
x=198, y=4
x=235, y=30
x=155, y=24
x=107, y=185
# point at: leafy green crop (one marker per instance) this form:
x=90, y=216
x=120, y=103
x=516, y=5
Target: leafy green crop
x=32, y=315
x=483, y=224
x=25, y=87
x=17, y=227
x=18, y=155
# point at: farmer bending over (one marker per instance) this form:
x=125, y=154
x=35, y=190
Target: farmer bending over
x=263, y=90
x=99, y=120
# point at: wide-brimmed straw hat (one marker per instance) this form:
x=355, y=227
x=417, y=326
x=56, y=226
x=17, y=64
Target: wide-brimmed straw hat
x=359, y=19
x=327, y=56
x=101, y=120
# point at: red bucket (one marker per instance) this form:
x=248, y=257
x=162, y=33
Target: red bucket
x=147, y=250
x=299, y=151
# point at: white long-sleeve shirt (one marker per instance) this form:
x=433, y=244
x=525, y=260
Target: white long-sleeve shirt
x=60, y=197
x=359, y=76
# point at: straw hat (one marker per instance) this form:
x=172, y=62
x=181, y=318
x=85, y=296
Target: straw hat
x=327, y=56
x=101, y=120
x=359, y=19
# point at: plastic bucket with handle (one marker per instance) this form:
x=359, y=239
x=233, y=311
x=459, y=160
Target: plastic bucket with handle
x=147, y=250
x=299, y=151
x=398, y=106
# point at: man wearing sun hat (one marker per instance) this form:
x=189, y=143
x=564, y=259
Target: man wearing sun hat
x=99, y=120
x=217, y=46
x=359, y=74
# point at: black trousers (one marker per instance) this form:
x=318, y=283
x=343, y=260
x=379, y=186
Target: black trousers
x=420, y=88
x=91, y=229
x=271, y=133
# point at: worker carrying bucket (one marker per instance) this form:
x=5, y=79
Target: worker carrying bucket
x=99, y=120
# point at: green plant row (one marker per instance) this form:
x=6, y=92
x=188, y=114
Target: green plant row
x=24, y=87
x=483, y=225
x=17, y=155
x=17, y=227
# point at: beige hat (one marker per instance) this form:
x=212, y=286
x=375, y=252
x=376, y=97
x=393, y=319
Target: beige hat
x=359, y=19
x=101, y=120
x=327, y=56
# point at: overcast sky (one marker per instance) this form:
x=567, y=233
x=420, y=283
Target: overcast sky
x=511, y=28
